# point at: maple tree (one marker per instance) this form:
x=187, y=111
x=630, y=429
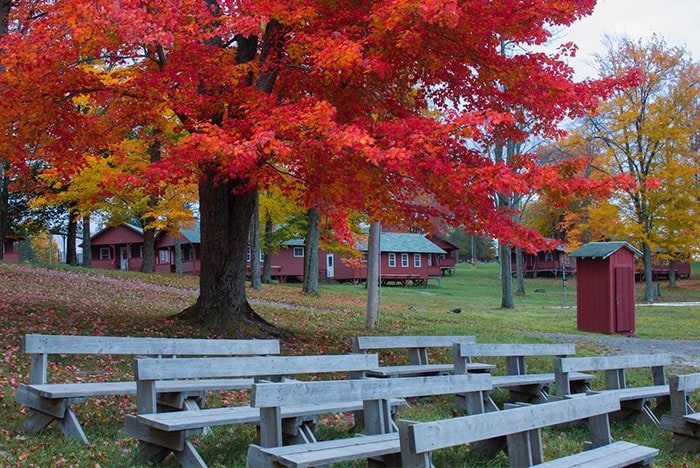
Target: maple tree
x=335, y=103
x=647, y=133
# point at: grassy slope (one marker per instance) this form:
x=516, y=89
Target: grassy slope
x=40, y=300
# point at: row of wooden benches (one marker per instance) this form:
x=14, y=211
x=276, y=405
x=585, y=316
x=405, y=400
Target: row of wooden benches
x=181, y=385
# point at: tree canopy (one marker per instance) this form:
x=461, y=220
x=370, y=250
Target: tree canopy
x=381, y=107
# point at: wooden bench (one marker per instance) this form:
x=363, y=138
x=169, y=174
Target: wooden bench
x=635, y=401
x=684, y=421
x=381, y=438
x=523, y=387
x=417, y=348
x=522, y=428
x=51, y=401
x=162, y=433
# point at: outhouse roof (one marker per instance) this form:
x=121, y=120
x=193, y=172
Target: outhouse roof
x=603, y=249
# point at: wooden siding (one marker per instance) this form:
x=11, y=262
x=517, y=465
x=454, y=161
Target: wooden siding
x=11, y=250
x=597, y=293
x=536, y=263
x=114, y=239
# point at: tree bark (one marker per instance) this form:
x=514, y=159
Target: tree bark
x=313, y=233
x=71, y=239
x=178, y=254
x=4, y=202
x=267, y=270
x=648, y=275
x=87, y=243
x=222, y=306
x=373, y=259
x=506, y=276
x=149, y=237
x=519, y=272
x=255, y=280
x=672, y=273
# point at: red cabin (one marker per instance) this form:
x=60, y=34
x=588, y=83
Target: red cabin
x=449, y=259
x=118, y=248
x=10, y=249
x=407, y=257
x=190, y=242
x=549, y=262
x=605, y=287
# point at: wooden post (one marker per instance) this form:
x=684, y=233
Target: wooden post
x=373, y=262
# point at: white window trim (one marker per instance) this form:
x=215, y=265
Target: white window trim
x=391, y=260
x=416, y=260
x=404, y=260
x=105, y=253
x=296, y=250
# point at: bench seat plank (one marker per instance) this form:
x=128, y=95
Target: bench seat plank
x=693, y=418
x=186, y=420
x=420, y=369
x=92, y=389
x=638, y=393
x=617, y=454
x=505, y=381
x=335, y=451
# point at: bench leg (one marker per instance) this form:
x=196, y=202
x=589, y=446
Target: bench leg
x=71, y=428
x=686, y=435
x=151, y=453
x=189, y=457
x=525, y=448
x=37, y=422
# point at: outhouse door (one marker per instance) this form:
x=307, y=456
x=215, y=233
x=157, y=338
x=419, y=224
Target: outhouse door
x=624, y=298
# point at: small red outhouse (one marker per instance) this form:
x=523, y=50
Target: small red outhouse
x=605, y=287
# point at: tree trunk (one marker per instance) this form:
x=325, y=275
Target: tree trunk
x=4, y=202
x=648, y=275
x=519, y=272
x=149, y=237
x=506, y=276
x=87, y=243
x=178, y=254
x=373, y=259
x=255, y=280
x=672, y=273
x=313, y=233
x=222, y=306
x=267, y=274
x=71, y=239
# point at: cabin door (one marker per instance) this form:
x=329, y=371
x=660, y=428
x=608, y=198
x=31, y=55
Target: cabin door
x=123, y=258
x=330, y=267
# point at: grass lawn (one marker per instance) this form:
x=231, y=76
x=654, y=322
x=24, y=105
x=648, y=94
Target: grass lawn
x=75, y=301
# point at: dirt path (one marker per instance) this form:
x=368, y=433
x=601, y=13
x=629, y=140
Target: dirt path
x=683, y=352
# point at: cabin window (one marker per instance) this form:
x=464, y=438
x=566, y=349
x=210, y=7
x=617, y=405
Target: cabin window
x=164, y=256
x=548, y=257
x=430, y=260
x=105, y=253
x=404, y=260
x=298, y=251
x=247, y=255
x=141, y=251
x=392, y=260
x=416, y=260
x=262, y=256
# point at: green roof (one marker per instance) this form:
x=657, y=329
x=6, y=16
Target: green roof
x=192, y=235
x=406, y=242
x=602, y=249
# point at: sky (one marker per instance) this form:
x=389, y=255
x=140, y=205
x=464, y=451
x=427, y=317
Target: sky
x=677, y=21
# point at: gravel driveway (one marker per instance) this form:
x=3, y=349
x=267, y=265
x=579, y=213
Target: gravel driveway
x=683, y=352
